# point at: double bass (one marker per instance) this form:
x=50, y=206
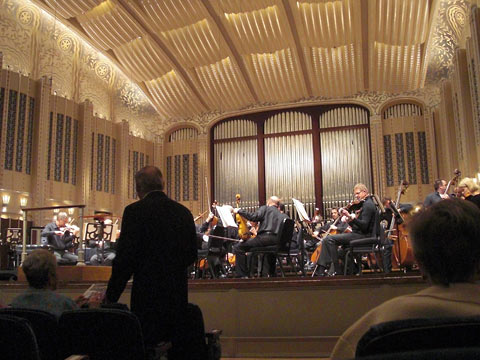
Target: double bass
x=402, y=249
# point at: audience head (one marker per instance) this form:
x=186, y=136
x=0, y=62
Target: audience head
x=148, y=179
x=281, y=207
x=469, y=187
x=40, y=268
x=440, y=185
x=446, y=241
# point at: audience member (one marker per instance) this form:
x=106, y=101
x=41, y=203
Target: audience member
x=446, y=245
x=157, y=244
x=40, y=268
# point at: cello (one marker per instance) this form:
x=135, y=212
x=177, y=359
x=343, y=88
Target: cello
x=454, y=180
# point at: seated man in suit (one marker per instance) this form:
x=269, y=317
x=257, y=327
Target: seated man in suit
x=446, y=244
x=270, y=219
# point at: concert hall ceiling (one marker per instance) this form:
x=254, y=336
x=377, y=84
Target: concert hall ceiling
x=193, y=57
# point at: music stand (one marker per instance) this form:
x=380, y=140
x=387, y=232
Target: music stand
x=98, y=231
x=13, y=236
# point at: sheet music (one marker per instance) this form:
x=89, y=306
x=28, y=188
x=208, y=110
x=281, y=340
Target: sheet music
x=226, y=216
x=300, y=210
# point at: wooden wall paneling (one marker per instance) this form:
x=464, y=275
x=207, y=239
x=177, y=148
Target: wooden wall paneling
x=469, y=163
x=446, y=136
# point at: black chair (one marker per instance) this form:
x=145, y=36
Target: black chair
x=45, y=328
x=420, y=334
x=17, y=340
x=214, y=255
x=102, y=334
x=368, y=245
x=280, y=251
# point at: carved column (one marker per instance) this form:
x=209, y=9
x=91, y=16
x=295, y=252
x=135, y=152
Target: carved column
x=378, y=166
x=158, y=154
x=203, y=169
x=122, y=177
x=431, y=145
x=86, y=194
x=40, y=144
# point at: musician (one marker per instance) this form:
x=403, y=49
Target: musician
x=340, y=226
x=361, y=225
x=108, y=250
x=60, y=237
x=270, y=219
x=202, y=237
x=440, y=186
x=470, y=190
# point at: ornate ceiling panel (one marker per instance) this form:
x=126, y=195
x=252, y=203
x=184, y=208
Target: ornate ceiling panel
x=199, y=56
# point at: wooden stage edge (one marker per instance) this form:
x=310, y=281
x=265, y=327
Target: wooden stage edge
x=76, y=275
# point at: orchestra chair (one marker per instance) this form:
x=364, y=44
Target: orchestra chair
x=410, y=335
x=45, y=328
x=372, y=244
x=299, y=254
x=280, y=251
x=17, y=339
x=101, y=334
x=214, y=255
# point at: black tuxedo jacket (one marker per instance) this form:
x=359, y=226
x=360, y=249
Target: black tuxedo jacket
x=157, y=244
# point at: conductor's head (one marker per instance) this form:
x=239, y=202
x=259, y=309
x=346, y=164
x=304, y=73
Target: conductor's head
x=446, y=241
x=148, y=179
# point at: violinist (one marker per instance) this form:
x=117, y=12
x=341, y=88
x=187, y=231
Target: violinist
x=361, y=223
x=334, y=226
x=202, y=232
x=440, y=186
x=60, y=236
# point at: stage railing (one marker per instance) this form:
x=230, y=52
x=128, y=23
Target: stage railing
x=81, y=246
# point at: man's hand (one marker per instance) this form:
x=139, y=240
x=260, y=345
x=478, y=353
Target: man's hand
x=444, y=196
x=59, y=233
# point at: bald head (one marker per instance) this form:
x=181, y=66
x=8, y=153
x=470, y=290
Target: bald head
x=148, y=179
x=273, y=201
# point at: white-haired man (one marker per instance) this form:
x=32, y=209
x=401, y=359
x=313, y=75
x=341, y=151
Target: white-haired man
x=60, y=237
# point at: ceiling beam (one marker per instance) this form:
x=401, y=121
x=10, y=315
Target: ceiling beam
x=298, y=46
x=236, y=55
x=176, y=65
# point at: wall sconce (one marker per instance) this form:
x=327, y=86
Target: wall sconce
x=71, y=211
x=56, y=211
x=23, y=201
x=6, y=199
